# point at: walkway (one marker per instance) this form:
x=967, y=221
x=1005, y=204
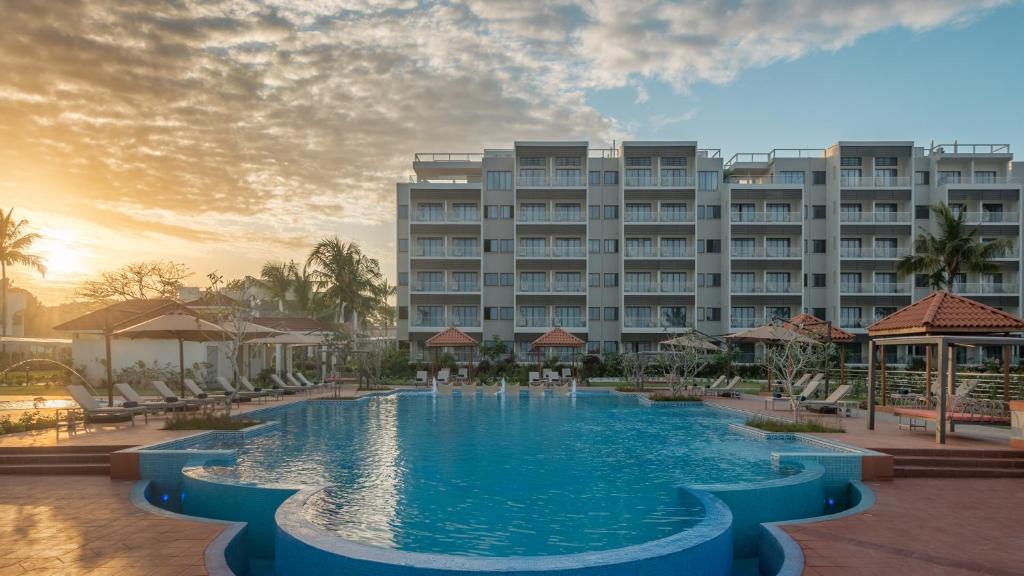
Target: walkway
x=927, y=526
x=86, y=525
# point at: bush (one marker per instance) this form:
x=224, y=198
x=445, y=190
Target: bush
x=208, y=422
x=669, y=397
x=27, y=421
x=779, y=426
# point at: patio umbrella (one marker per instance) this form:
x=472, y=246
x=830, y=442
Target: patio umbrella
x=180, y=327
x=691, y=341
x=769, y=335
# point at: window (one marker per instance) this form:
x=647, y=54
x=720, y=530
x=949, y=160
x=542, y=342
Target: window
x=984, y=177
x=611, y=211
x=492, y=313
x=713, y=212
x=713, y=246
x=403, y=211
x=611, y=313
x=610, y=347
x=491, y=279
x=920, y=281
x=506, y=246
x=531, y=161
x=494, y=212
x=593, y=347
x=507, y=279
x=508, y=313
x=567, y=161
x=594, y=211
x=594, y=280
x=638, y=161
x=818, y=211
x=713, y=314
x=817, y=246
x=885, y=247
x=403, y=278
x=707, y=180
x=818, y=313
x=499, y=180
x=850, y=282
x=673, y=161
x=594, y=246
x=594, y=313
x=885, y=161
x=949, y=177
x=922, y=211
x=791, y=177
x=611, y=279
x=403, y=244
x=849, y=161
x=818, y=177
x=709, y=280
x=611, y=246
x=638, y=177
x=403, y=312
x=776, y=247
x=849, y=176
x=849, y=317
x=818, y=281
x=611, y=177
x=922, y=177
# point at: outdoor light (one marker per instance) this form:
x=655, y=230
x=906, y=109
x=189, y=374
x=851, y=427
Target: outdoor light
x=165, y=497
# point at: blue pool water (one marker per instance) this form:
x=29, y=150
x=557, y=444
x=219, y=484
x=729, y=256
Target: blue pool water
x=487, y=477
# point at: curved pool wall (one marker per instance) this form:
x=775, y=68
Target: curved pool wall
x=705, y=549
x=180, y=480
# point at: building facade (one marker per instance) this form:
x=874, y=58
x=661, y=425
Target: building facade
x=627, y=246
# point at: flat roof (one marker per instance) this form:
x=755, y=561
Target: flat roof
x=659, y=143
x=552, y=144
x=879, y=143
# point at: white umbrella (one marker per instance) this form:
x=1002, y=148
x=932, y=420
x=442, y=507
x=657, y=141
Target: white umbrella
x=180, y=327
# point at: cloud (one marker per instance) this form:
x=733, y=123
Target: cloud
x=269, y=123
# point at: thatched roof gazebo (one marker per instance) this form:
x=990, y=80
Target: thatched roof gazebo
x=452, y=337
x=556, y=338
x=825, y=331
x=942, y=320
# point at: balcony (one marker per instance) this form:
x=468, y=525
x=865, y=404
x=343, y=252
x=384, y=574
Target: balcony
x=438, y=322
x=656, y=288
x=551, y=252
x=547, y=322
x=648, y=323
x=450, y=252
x=437, y=217
x=659, y=252
x=550, y=182
x=987, y=217
x=899, y=288
x=763, y=252
x=443, y=288
x=985, y=288
x=875, y=217
x=876, y=253
x=858, y=323
x=551, y=287
x=660, y=217
x=980, y=179
x=656, y=182
x=551, y=217
x=765, y=217
x=874, y=182
x=783, y=288
x=747, y=322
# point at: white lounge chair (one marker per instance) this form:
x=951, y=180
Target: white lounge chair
x=533, y=377
x=463, y=374
x=96, y=413
x=805, y=394
x=154, y=406
x=247, y=386
x=235, y=394
x=421, y=377
x=294, y=383
x=715, y=386
x=729, y=391
x=553, y=377
x=444, y=374
x=566, y=373
x=832, y=402
x=162, y=389
x=284, y=387
x=302, y=378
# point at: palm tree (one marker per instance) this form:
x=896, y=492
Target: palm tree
x=307, y=300
x=956, y=248
x=15, y=243
x=277, y=278
x=383, y=311
x=344, y=275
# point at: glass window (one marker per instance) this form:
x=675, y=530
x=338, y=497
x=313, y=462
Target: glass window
x=567, y=177
x=403, y=244
x=403, y=278
x=593, y=280
x=492, y=313
x=850, y=161
x=713, y=314
x=922, y=211
x=531, y=161
x=638, y=161
x=532, y=176
x=594, y=211
x=921, y=177
x=610, y=347
x=707, y=180
x=594, y=177
x=565, y=161
x=611, y=177
x=818, y=281
x=714, y=246
x=818, y=177
x=492, y=211
x=611, y=246
x=849, y=317
x=817, y=246
x=673, y=161
x=611, y=211
x=491, y=279
x=791, y=177
x=611, y=313
x=594, y=246
x=818, y=211
x=673, y=177
x=403, y=211
x=886, y=161
x=594, y=347
x=507, y=279
x=594, y=313
x=506, y=246
x=984, y=177
x=949, y=177
x=403, y=312
x=638, y=177
x=611, y=279
x=499, y=180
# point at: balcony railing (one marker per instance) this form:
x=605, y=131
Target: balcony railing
x=767, y=288
x=453, y=287
x=437, y=217
x=765, y=217
x=441, y=321
x=875, y=217
x=659, y=252
x=549, y=181
x=654, y=287
x=873, y=253
x=983, y=217
x=552, y=252
x=984, y=288
x=567, y=287
x=876, y=288
x=763, y=252
x=670, y=216
x=551, y=322
x=858, y=323
x=659, y=182
x=655, y=323
x=977, y=179
x=450, y=252
x=874, y=181
x=547, y=217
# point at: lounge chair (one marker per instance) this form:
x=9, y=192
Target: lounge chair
x=96, y=413
x=295, y=384
x=566, y=373
x=198, y=392
x=553, y=377
x=796, y=385
x=246, y=386
x=287, y=389
x=805, y=394
x=463, y=374
x=536, y=388
x=533, y=377
x=302, y=379
x=421, y=377
x=444, y=375
x=130, y=395
x=829, y=405
x=729, y=391
x=162, y=389
x=714, y=387
x=235, y=394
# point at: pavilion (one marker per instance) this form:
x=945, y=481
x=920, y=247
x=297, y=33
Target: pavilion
x=556, y=338
x=452, y=337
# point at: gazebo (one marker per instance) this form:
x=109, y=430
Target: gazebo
x=556, y=338
x=769, y=335
x=452, y=337
x=825, y=331
x=942, y=321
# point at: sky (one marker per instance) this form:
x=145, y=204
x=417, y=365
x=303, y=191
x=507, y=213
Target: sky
x=225, y=133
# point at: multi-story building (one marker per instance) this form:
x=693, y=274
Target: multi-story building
x=626, y=246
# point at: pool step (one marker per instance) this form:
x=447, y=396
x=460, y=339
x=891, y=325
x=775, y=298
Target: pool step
x=53, y=468
x=956, y=463
x=68, y=459
x=954, y=472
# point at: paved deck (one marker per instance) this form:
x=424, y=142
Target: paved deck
x=86, y=525
x=927, y=526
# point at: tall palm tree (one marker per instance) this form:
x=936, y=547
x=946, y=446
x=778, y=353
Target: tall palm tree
x=384, y=311
x=277, y=278
x=15, y=243
x=307, y=300
x=957, y=248
x=345, y=276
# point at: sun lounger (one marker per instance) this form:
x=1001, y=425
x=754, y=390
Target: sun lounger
x=162, y=389
x=714, y=385
x=191, y=386
x=96, y=413
x=804, y=395
x=729, y=391
x=294, y=383
x=463, y=374
x=421, y=377
x=235, y=394
x=444, y=375
x=566, y=373
x=830, y=404
x=286, y=388
x=155, y=407
x=532, y=377
x=247, y=386
x=303, y=380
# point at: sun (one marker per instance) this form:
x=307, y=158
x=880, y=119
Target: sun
x=64, y=254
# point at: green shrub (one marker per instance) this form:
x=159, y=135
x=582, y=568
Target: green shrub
x=27, y=421
x=207, y=422
x=669, y=397
x=779, y=426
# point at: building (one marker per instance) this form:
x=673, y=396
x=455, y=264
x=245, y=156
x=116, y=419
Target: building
x=626, y=246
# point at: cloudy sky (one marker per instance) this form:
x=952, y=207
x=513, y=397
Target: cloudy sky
x=222, y=133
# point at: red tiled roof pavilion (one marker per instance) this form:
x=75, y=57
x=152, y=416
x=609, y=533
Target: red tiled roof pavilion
x=818, y=327
x=451, y=337
x=946, y=313
x=556, y=338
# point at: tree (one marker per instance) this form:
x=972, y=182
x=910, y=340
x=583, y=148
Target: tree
x=15, y=243
x=136, y=281
x=234, y=316
x=383, y=311
x=634, y=368
x=683, y=361
x=956, y=248
x=345, y=276
x=277, y=279
x=787, y=359
x=307, y=299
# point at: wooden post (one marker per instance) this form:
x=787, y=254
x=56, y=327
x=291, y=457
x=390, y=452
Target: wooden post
x=842, y=365
x=469, y=371
x=1006, y=372
x=871, y=384
x=928, y=376
x=885, y=380
x=945, y=363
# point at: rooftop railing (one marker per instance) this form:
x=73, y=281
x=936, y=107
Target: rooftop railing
x=448, y=156
x=958, y=148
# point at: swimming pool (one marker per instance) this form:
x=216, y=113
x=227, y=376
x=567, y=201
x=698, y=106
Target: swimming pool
x=488, y=479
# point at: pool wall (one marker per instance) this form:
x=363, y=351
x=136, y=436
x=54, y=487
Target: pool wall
x=304, y=548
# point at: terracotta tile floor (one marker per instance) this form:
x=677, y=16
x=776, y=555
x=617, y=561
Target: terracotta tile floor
x=923, y=526
x=86, y=525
